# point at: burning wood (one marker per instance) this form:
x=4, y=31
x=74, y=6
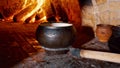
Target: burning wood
x=31, y=19
x=45, y=10
x=41, y=16
x=8, y=8
x=20, y=10
x=29, y=11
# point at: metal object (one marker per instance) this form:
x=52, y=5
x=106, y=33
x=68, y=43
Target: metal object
x=55, y=36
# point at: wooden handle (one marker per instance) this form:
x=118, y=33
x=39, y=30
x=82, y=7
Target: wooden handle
x=105, y=56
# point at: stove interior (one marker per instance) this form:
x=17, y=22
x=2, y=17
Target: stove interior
x=19, y=20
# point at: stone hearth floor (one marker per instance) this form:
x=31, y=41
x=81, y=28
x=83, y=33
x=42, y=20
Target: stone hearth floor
x=41, y=60
x=19, y=49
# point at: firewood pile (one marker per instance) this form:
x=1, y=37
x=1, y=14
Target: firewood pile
x=29, y=11
x=20, y=10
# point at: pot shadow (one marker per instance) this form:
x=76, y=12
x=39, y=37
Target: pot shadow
x=83, y=36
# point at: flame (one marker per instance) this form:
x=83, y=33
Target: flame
x=39, y=4
x=57, y=18
x=43, y=19
x=25, y=3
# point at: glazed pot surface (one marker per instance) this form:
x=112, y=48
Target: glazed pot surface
x=55, y=36
x=103, y=32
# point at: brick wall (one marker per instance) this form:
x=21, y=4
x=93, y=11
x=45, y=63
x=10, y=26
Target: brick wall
x=101, y=12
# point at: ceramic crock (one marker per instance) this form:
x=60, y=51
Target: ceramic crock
x=103, y=32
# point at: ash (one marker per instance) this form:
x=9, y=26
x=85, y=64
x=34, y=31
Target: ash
x=94, y=44
x=55, y=60
x=42, y=60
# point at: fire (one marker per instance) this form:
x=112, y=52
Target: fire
x=50, y=10
x=25, y=2
x=33, y=11
x=57, y=18
x=44, y=19
x=29, y=12
x=39, y=4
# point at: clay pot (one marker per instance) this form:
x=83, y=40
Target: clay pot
x=55, y=36
x=103, y=32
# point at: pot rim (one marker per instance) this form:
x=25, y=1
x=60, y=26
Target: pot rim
x=104, y=25
x=56, y=25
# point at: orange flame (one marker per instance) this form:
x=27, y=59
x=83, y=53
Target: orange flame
x=57, y=18
x=39, y=4
x=43, y=19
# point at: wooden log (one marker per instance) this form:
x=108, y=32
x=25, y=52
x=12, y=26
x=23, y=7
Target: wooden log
x=104, y=56
x=40, y=14
x=8, y=8
x=21, y=17
x=29, y=11
x=31, y=19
